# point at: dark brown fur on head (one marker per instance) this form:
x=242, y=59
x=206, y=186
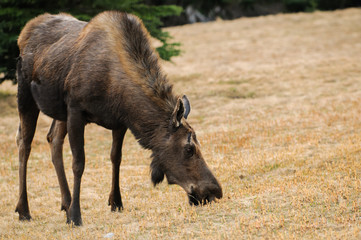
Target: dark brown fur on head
x=181, y=161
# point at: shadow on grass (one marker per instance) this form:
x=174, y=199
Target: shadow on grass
x=7, y=103
x=4, y=95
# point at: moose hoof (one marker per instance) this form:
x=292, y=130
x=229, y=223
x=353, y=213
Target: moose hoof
x=75, y=218
x=23, y=214
x=116, y=208
x=25, y=217
x=74, y=222
x=68, y=221
x=115, y=203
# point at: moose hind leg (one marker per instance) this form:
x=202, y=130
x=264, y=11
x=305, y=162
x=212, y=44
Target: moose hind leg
x=115, y=200
x=55, y=138
x=28, y=113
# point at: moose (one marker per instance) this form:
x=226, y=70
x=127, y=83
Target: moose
x=106, y=72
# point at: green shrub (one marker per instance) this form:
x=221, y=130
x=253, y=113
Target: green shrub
x=300, y=5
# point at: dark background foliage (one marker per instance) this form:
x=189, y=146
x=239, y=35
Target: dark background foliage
x=15, y=13
x=154, y=13
x=230, y=9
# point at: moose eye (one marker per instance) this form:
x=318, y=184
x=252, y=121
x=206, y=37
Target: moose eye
x=189, y=150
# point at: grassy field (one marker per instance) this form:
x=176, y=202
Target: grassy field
x=277, y=108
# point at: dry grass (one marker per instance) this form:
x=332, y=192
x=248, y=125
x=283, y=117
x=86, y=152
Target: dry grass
x=276, y=105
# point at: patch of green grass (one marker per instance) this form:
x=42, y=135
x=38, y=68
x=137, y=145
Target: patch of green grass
x=186, y=78
x=232, y=81
x=7, y=103
x=234, y=93
x=271, y=167
x=5, y=94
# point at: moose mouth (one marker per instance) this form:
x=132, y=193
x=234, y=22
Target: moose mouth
x=197, y=195
x=195, y=199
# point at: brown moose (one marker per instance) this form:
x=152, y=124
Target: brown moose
x=104, y=72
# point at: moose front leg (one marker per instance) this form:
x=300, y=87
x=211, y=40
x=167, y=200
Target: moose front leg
x=115, y=200
x=55, y=138
x=75, y=126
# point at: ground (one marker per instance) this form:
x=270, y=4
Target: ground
x=276, y=104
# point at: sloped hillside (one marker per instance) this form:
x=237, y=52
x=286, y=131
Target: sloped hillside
x=276, y=104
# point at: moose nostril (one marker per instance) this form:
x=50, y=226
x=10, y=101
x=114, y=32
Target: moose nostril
x=214, y=191
x=218, y=192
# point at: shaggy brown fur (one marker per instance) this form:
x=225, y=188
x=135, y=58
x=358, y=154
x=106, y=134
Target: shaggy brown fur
x=105, y=72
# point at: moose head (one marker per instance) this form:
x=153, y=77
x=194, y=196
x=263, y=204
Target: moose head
x=181, y=161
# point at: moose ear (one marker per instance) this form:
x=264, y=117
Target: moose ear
x=187, y=106
x=177, y=114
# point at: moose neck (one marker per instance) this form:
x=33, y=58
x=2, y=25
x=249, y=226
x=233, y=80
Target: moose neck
x=149, y=124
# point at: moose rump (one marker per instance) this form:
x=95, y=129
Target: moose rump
x=103, y=72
